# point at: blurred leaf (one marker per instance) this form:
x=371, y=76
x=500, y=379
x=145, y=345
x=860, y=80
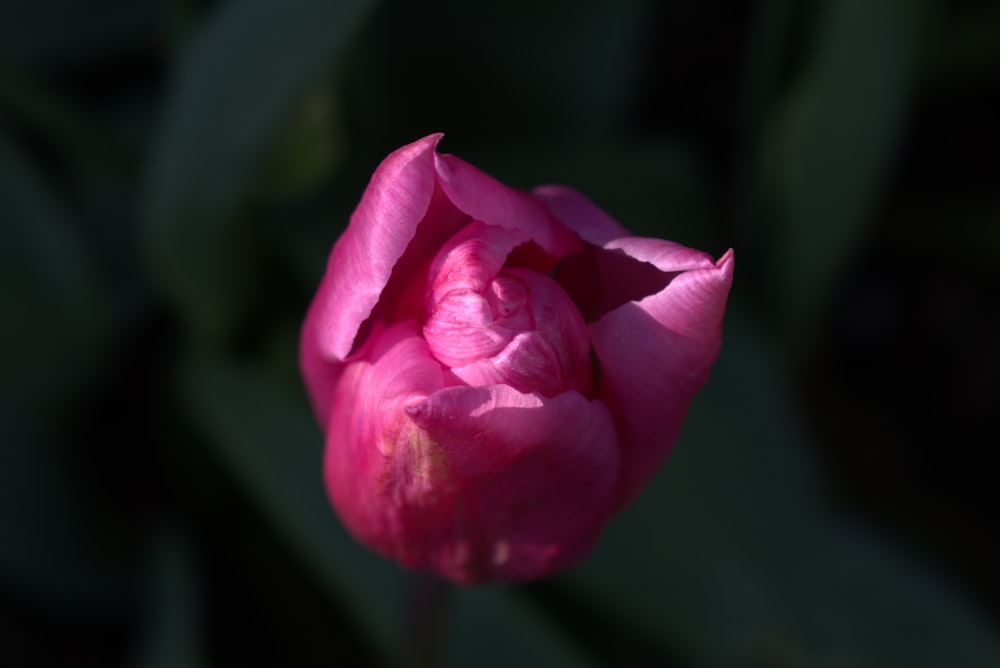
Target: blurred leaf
x=54, y=544
x=236, y=90
x=310, y=150
x=70, y=30
x=39, y=106
x=264, y=433
x=171, y=629
x=57, y=310
x=491, y=626
x=733, y=556
x=831, y=143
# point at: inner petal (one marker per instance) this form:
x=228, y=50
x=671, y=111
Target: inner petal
x=496, y=325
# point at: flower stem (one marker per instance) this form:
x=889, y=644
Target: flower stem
x=426, y=612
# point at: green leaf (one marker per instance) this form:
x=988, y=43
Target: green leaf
x=55, y=546
x=832, y=141
x=263, y=432
x=248, y=69
x=735, y=557
x=310, y=150
x=57, y=309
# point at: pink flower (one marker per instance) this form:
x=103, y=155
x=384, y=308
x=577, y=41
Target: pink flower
x=498, y=372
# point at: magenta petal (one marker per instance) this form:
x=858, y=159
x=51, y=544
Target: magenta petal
x=319, y=373
x=470, y=483
x=534, y=479
x=655, y=355
x=484, y=198
x=375, y=457
x=380, y=229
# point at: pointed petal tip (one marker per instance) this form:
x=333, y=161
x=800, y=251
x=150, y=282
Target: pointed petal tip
x=727, y=261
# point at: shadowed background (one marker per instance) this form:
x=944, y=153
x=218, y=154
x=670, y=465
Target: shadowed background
x=173, y=174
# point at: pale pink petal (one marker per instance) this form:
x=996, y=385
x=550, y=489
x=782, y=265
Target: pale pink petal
x=484, y=198
x=617, y=267
x=362, y=261
x=667, y=256
x=534, y=479
x=580, y=215
x=655, y=355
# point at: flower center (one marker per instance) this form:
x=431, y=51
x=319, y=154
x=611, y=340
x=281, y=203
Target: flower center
x=492, y=324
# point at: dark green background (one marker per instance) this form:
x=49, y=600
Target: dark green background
x=173, y=174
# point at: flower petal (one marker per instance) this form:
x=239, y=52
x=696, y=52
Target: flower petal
x=470, y=483
x=319, y=373
x=617, y=267
x=380, y=230
x=655, y=355
x=484, y=198
x=534, y=478
x=579, y=214
x=375, y=459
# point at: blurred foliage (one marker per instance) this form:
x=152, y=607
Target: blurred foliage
x=173, y=174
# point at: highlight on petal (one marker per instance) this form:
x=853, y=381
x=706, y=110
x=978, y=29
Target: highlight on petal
x=381, y=228
x=655, y=355
x=484, y=198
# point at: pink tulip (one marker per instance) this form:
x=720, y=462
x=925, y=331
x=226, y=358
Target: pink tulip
x=498, y=372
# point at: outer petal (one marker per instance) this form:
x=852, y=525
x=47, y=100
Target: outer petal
x=580, y=214
x=471, y=483
x=402, y=220
x=535, y=479
x=596, y=227
x=617, y=268
x=380, y=229
x=375, y=462
x=319, y=372
x=484, y=198
x=655, y=355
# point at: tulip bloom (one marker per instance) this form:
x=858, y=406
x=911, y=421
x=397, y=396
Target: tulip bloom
x=498, y=372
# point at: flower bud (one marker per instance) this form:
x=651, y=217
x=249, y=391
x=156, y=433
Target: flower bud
x=498, y=372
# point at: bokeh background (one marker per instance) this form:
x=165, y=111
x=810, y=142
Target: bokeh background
x=173, y=174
